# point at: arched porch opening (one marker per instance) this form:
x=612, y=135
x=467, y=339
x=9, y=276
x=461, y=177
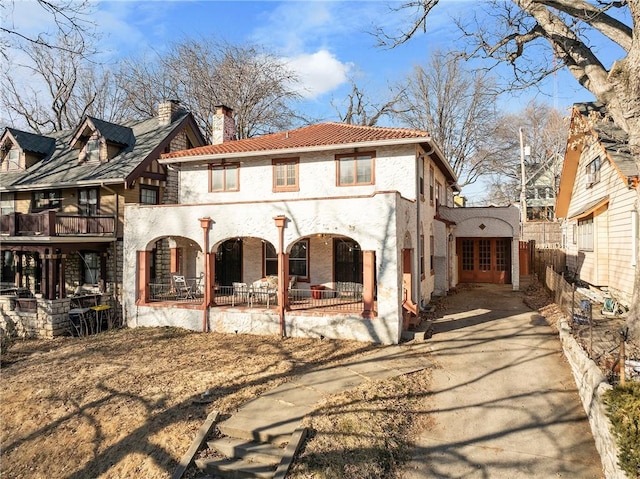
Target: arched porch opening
x=174, y=269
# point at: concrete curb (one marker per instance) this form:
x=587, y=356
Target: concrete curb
x=592, y=385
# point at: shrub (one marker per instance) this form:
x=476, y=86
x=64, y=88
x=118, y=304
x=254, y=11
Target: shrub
x=623, y=408
x=5, y=341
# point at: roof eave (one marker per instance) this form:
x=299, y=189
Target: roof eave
x=289, y=151
x=47, y=186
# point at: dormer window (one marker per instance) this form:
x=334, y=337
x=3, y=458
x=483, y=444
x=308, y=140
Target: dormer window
x=92, y=151
x=11, y=160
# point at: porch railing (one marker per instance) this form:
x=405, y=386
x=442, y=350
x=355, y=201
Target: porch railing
x=52, y=223
x=330, y=300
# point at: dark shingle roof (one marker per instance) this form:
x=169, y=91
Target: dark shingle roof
x=61, y=168
x=122, y=135
x=613, y=138
x=38, y=144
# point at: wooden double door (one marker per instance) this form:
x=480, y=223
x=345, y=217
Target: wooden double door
x=484, y=260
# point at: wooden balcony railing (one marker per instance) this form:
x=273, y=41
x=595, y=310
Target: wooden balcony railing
x=52, y=223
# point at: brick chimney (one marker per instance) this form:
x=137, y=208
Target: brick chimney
x=167, y=111
x=223, y=126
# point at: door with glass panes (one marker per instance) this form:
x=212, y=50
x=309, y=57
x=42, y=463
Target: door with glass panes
x=484, y=260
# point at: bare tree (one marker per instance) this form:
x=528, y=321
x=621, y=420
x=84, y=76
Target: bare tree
x=360, y=109
x=545, y=132
x=529, y=34
x=205, y=73
x=70, y=17
x=42, y=98
x=458, y=108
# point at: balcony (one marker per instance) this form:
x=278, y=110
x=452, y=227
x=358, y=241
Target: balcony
x=53, y=223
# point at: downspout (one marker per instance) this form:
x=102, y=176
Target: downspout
x=115, y=256
x=282, y=287
x=205, y=224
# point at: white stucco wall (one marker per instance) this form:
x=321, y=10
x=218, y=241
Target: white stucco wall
x=377, y=216
x=489, y=222
x=369, y=221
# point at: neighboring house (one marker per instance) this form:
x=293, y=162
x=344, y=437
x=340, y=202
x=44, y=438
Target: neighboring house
x=63, y=197
x=542, y=180
x=597, y=202
x=330, y=230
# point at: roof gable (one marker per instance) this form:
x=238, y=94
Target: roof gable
x=38, y=144
x=61, y=167
x=111, y=132
x=592, y=119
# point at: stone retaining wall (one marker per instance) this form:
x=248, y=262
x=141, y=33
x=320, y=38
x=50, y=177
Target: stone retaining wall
x=592, y=385
x=50, y=319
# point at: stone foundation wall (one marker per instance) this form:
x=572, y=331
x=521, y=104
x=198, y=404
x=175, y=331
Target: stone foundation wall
x=592, y=385
x=51, y=318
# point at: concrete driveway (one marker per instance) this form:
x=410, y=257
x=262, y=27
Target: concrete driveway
x=504, y=400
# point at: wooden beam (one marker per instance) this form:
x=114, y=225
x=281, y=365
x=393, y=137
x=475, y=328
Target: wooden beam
x=200, y=438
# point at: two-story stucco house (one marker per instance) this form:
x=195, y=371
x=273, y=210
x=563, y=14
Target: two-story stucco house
x=329, y=230
x=597, y=202
x=63, y=197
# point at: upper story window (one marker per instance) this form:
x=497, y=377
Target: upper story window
x=431, y=183
x=92, y=149
x=285, y=175
x=46, y=200
x=224, y=177
x=355, y=169
x=7, y=204
x=421, y=173
x=11, y=159
x=593, y=172
x=149, y=195
x=88, y=202
x=438, y=193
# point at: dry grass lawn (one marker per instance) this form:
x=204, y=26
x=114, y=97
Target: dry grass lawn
x=120, y=404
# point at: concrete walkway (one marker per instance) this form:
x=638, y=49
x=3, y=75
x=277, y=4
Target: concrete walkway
x=504, y=401
x=275, y=415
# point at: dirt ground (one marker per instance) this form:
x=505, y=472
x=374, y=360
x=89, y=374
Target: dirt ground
x=121, y=404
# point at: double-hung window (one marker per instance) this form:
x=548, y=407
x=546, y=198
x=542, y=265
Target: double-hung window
x=285, y=174
x=224, y=177
x=355, y=169
x=93, y=150
x=88, y=202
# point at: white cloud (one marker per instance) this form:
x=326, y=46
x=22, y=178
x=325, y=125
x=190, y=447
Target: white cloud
x=319, y=72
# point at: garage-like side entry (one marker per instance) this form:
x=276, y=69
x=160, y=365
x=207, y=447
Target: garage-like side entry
x=484, y=260
x=487, y=242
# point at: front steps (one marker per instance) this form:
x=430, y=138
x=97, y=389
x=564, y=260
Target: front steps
x=242, y=456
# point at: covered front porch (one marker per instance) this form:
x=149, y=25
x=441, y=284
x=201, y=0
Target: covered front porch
x=254, y=272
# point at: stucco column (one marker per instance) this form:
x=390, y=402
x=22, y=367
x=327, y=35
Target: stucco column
x=142, y=276
x=368, y=286
x=205, y=224
x=282, y=272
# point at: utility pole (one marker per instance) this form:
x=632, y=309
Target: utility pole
x=523, y=188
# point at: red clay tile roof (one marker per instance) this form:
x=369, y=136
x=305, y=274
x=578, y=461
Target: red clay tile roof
x=323, y=134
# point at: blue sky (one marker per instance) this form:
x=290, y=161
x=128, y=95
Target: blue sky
x=326, y=42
